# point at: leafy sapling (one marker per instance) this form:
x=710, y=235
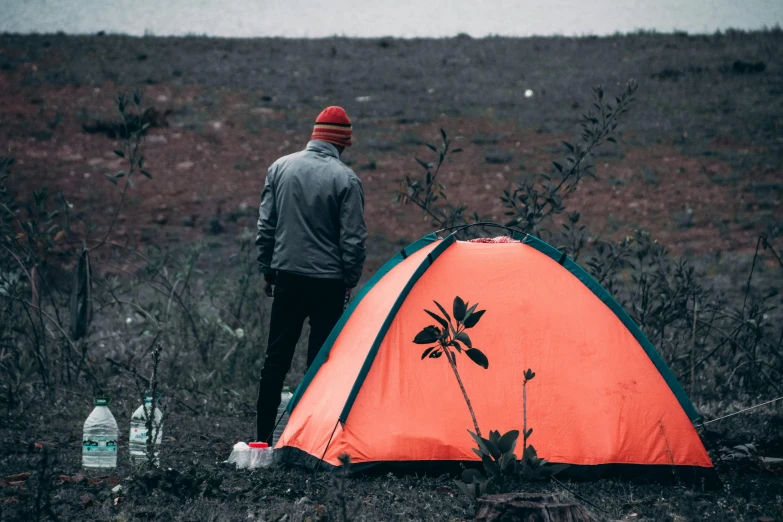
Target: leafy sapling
x=501, y=467
x=451, y=337
x=528, y=375
x=532, y=467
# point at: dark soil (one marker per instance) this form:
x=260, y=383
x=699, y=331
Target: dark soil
x=699, y=160
x=195, y=484
x=699, y=164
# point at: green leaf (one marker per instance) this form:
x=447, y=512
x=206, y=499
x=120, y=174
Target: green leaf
x=508, y=441
x=438, y=318
x=119, y=153
x=468, y=489
x=459, y=309
x=424, y=163
x=147, y=174
x=480, y=441
x=490, y=466
x=443, y=133
x=427, y=352
x=568, y=146
x=456, y=345
x=464, y=339
x=443, y=310
x=436, y=354
x=111, y=178
x=469, y=311
x=528, y=433
x=508, y=460
x=558, y=166
x=611, y=139
x=429, y=335
x=494, y=451
x=458, y=149
x=478, y=357
x=473, y=319
x=530, y=452
x=469, y=474
x=431, y=147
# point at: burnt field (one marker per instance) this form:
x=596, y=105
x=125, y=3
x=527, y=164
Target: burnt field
x=697, y=164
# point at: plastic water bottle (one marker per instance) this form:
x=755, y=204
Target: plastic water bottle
x=285, y=398
x=260, y=455
x=99, y=439
x=137, y=441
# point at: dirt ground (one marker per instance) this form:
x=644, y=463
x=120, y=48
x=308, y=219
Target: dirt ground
x=699, y=163
x=195, y=484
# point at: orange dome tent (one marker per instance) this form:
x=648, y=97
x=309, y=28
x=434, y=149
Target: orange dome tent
x=603, y=401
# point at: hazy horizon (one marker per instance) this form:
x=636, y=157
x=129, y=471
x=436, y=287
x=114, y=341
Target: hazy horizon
x=402, y=18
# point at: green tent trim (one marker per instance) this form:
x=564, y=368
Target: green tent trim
x=323, y=354
x=423, y=266
x=539, y=245
x=601, y=293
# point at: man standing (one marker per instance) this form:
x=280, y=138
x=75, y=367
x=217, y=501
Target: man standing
x=311, y=237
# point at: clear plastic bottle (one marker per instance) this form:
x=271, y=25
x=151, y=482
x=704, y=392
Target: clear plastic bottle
x=285, y=398
x=137, y=441
x=260, y=455
x=99, y=439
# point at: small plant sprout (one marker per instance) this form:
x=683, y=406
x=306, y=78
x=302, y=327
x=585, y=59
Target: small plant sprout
x=450, y=337
x=528, y=375
x=501, y=467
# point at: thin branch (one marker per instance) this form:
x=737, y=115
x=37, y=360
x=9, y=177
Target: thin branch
x=450, y=356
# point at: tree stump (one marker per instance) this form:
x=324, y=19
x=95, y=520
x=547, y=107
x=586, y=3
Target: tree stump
x=530, y=507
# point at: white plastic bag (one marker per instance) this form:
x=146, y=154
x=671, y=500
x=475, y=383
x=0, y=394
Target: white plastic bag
x=240, y=455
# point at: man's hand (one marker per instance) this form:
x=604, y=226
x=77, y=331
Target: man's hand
x=269, y=289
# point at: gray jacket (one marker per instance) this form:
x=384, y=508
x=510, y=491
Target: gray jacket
x=311, y=218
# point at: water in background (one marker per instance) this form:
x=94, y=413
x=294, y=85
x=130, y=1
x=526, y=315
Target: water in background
x=370, y=18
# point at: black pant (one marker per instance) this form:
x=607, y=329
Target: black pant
x=296, y=298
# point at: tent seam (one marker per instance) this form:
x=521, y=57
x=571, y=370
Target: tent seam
x=323, y=353
x=432, y=256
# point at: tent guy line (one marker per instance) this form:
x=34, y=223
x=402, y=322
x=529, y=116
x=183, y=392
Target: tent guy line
x=743, y=411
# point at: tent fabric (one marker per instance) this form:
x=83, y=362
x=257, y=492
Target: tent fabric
x=602, y=396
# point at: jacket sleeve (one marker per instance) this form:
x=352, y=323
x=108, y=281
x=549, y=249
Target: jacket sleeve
x=353, y=232
x=267, y=223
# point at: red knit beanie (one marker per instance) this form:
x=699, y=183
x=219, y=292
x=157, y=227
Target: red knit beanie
x=333, y=126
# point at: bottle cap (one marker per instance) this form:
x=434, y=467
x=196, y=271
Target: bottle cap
x=102, y=401
x=258, y=445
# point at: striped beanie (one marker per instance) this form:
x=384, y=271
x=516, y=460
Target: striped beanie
x=333, y=126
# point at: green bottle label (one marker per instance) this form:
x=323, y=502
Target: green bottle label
x=93, y=444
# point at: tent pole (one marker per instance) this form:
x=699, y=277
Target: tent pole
x=318, y=464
